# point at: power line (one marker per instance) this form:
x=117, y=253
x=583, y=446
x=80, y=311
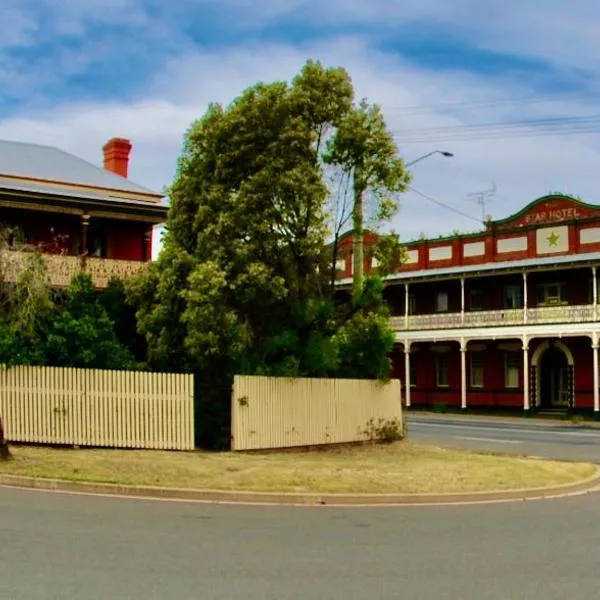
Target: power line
x=498, y=102
x=500, y=125
x=440, y=203
x=502, y=135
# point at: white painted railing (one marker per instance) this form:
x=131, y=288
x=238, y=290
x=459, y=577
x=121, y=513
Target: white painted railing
x=497, y=318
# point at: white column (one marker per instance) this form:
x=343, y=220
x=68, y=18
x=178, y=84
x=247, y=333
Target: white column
x=596, y=383
x=407, y=372
x=595, y=291
x=524, y=297
x=463, y=374
x=406, y=306
x=526, y=403
x=462, y=299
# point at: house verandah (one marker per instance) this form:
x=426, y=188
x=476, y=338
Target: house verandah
x=527, y=370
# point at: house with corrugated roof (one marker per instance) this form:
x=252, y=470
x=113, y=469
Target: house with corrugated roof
x=80, y=216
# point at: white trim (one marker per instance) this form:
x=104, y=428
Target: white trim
x=550, y=262
x=537, y=355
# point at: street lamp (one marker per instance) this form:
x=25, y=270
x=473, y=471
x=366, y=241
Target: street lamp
x=442, y=152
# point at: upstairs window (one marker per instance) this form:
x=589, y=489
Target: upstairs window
x=412, y=304
x=441, y=302
x=551, y=293
x=476, y=299
x=513, y=297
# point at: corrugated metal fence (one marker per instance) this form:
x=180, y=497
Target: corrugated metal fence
x=92, y=407
x=277, y=412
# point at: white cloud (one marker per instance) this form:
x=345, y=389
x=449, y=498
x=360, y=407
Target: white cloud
x=523, y=169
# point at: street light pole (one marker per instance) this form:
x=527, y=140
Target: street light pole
x=442, y=152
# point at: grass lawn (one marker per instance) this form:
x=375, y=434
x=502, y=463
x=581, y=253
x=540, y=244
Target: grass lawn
x=401, y=467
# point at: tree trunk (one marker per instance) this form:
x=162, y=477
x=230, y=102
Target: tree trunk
x=4, y=451
x=357, y=244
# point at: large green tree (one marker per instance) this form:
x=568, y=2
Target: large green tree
x=237, y=279
x=239, y=286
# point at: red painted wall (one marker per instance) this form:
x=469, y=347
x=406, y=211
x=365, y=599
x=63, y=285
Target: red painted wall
x=546, y=211
x=126, y=241
x=493, y=394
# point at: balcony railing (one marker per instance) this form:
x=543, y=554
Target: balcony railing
x=62, y=268
x=497, y=318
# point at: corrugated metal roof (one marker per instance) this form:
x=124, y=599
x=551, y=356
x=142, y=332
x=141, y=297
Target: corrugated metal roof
x=509, y=265
x=20, y=159
x=83, y=195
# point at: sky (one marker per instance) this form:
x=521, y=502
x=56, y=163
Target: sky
x=511, y=88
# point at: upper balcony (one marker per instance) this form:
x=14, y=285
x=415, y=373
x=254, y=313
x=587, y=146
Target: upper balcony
x=62, y=268
x=498, y=318
x=540, y=297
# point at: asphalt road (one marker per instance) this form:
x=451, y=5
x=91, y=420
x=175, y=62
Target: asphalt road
x=526, y=437
x=61, y=547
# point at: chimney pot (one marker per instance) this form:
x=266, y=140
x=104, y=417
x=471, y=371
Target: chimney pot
x=116, y=156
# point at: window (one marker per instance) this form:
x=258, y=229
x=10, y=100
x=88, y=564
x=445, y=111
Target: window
x=441, y=302
x=511, y=370
x=441, y=371
x=512, y=297
x=412, y=304
x=551, y=293
x=477, y=370
x=476, y=300
x=413, y=371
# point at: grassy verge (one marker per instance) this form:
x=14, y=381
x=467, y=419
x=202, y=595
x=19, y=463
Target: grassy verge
x=401, y=467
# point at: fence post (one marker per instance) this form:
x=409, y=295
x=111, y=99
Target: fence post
x=4, y=451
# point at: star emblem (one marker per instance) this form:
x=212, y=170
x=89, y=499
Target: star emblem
x=553, y=239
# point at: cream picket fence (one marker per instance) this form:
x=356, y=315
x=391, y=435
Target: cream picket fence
x=279, y=412
x=93, y=407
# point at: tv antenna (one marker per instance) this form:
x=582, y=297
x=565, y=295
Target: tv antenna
x=482, y=197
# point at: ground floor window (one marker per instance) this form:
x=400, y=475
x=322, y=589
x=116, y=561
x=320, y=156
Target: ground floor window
x=511, y=370
x=413, y=371
x=441, y=371
x=476, y=370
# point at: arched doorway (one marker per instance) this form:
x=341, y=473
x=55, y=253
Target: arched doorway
x=551, y=379
x=555, y=389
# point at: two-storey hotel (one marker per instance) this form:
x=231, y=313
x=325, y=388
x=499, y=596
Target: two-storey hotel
x=507, y=317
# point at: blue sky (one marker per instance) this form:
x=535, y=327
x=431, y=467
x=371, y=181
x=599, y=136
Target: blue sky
x=76, y=72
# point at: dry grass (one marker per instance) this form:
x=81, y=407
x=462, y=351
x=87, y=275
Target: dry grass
x=402, y=467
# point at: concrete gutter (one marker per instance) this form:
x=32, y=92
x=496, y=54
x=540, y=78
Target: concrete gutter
x=588, y=485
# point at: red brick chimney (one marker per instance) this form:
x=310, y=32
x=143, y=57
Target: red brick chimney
x=116, y=155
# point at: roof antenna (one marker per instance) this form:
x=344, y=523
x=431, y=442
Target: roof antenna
x=482, y=197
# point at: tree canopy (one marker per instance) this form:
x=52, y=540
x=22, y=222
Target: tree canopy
x=239, y=286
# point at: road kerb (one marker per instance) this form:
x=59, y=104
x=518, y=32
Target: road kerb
x=589, y=484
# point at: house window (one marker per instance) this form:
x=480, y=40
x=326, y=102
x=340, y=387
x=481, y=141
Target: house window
x=511, y=370
x=476, y=300
x=441, y=371
x=551, y=293
x=412, y=304
x=477, y=370
x=413, y=371
x=513, y=297
x=441, y=302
